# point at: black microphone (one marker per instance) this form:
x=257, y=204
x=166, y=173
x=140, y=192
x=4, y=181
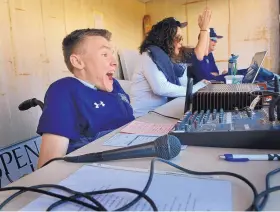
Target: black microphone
x=276, y=84
x=189, y=96
x=166, y=147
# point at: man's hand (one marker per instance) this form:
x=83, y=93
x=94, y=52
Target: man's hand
x=225, y=72
x=52, y=146
x=214, y=73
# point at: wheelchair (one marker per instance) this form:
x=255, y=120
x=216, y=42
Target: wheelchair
x=27, y=104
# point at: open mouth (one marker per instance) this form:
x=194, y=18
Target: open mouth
x=110, y=75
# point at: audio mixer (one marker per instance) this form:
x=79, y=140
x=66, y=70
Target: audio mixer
x=225, y=96
x=229, y=116
x=235, y=129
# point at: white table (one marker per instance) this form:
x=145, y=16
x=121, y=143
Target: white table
x=207, y=161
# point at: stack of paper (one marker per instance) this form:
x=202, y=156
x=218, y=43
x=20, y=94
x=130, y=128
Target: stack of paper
x=124, y=140
x=144, y=128
x=169, y=191
x=138, y=132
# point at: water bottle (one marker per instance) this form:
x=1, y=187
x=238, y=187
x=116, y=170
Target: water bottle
x=232, y=63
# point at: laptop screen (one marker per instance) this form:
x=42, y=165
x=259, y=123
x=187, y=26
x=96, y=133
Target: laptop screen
x=254, y=67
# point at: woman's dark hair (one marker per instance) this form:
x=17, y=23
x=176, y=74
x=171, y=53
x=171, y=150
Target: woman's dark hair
x=162, y=35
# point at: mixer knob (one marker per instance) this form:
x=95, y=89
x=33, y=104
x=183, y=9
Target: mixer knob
x=207, y=118
x=177, y=126
x=195, y=124
x=204, y=120
x=187, y=127
x=187, y=113
x=214, y=116
x=249, y=113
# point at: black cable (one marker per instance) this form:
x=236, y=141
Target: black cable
x=86, y=195
x=267, y=185
x=271, y=108
x=272, y=104
x=139, y=193
x=263, y=93
x=164, y=115
x=278, y=109
x=135, y=200
x=276, y=84
x=250, y=208
x=24, y=189
x=60, y=202
x=54, y=159
x=263, y=194
x=59, y=187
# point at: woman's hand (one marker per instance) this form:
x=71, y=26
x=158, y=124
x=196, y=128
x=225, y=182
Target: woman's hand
x=204, y=19
x=202, y=46
x=206, y=82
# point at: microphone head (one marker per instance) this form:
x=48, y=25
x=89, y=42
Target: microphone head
x=167, y=147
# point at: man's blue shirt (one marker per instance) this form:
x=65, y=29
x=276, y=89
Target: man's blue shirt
x=202, y=69
x=83, y=114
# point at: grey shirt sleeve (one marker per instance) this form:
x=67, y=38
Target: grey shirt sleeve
x=184, y=79
x=158, y=81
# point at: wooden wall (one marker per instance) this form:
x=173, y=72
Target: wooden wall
x=30, y=50
x=248, y=26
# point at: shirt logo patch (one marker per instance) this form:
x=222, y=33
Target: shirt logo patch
x=123, y=97
x=97, y=105
x=207, y=61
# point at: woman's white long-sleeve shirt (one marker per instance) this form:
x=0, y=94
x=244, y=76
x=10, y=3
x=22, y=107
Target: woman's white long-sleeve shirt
x=150, y=88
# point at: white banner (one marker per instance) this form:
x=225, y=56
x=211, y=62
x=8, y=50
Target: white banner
x=18, y=160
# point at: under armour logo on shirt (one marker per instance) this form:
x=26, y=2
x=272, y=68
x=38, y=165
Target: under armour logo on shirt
x=97, y=105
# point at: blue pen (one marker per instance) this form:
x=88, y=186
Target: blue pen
x=245, y=158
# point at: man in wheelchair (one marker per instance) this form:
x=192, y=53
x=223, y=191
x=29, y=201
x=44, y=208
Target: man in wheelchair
x=79, y=109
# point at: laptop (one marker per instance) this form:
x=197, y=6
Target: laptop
x=254, y=68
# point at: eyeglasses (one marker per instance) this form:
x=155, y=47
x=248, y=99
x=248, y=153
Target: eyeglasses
x=179, y=38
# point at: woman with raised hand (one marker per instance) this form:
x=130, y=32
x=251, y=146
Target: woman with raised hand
x=157, y=76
